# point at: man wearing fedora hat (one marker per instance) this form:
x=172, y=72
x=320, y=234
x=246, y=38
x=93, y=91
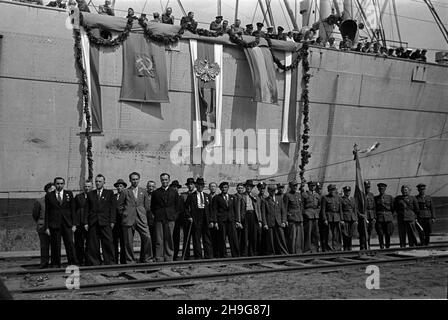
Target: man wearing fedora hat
x=198, y=209
x=249, y=211
x=384, y=208
x=426, y=216
x=273, y=214
x=311, y=205
x=293, y=203
x=117, y=231
x=331, y=213
x=223, y=214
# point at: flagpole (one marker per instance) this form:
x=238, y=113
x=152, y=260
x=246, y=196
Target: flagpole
x=359, y=187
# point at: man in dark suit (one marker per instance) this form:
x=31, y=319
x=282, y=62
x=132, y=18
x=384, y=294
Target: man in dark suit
x=78, y=221
x=136, y=206
x=117, y=230
x=213, y=187
x=182, y=223
x=99, y=219
x=223, y=213
x=59, y=211
x=165, y=207
x=274, y=222
x=241, y=232
x=39, y=217
x=198, y=207
x=150, y=187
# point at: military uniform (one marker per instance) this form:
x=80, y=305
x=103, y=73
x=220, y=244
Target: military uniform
x=294, y=208
x=331, y=213
x=366, y=221
x=384, y=207
x=350, y=218
x=311, y=205
x=215, y=26
x=407, y=208
x=425, y=217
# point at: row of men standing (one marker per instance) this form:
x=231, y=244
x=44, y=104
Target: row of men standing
x=253, y=224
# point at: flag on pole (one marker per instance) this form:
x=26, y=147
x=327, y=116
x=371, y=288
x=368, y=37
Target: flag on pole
x=90, y=56
x=206, y=62
x=290, y=101
x=263, y=74
x=145, y=76
x=360, y=194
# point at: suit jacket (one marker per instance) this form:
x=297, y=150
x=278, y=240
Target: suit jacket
x=273, y=211
x=58, y=214
x=242, y=203
x=223, y=211
x=103, y=210
x=165, y=204
x=133, y=207
x=119, y=209
x=192, y=210
x=39, y=214
x=349, y=210
x=80, y=203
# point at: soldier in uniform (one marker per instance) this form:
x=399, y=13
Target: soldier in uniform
x=294, y=209
x=426, y=216
x=259, y=32
x=167, y=17
x=273, y=213
x=331, y=213
x=349, y=218
x=311, y=206
x=366, y=221
x=270, y=33
x=188, y=22
x=280, y=34
x=407, y=211
x=249, y=29
x=384, y=208
x=217, y=24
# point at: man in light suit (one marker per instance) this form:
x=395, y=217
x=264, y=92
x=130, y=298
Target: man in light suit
x=165, y=207
x=136, y=205
x=223, y=214
x=59, y=211
x=198, y=212
x=99, y=220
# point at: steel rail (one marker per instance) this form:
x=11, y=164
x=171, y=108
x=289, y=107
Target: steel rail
x=190, y=279
x=237, y=260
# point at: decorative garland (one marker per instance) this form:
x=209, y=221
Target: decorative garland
x=304, y=153
x=85, y=101
x=279, y=64
x=100, y=41
x=149, y=35
x=243, y=44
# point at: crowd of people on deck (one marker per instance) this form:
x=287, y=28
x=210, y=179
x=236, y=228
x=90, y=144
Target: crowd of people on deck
x=98, y=224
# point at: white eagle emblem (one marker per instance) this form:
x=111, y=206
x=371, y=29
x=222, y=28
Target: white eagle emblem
x=206, y=71
x=145, y=66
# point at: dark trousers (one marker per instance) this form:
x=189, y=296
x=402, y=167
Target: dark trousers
x=349, y=230
x=80, y=244
x=44, y=241
x=96, y=237
x=252, y=229
x=411, y=232
x=242, y=239
x=118, y=239
x=164, y=243
x=324, y=231
x=275, y=241
x=227, y=229
x=310, y=234
x=55, y=242
x=385, y=229
x=334, y=235
x=401, y=232
x=201, y=231
x=215, y=242
x=294, y=237
x=178, y=226
x=426, y=224
x=364, y=230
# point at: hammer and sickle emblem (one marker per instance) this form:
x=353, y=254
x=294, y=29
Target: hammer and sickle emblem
x=145, y=66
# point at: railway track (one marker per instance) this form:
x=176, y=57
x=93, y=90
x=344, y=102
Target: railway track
x=180, y=273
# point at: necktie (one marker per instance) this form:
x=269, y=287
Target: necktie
x=59, y=198
x=99, y=194
x=202, y=199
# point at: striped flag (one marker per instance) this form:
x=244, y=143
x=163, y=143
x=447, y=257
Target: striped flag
x=360, y=194
x=91, y=55
x=263, y=74
x=206, y=67
x=290, y=101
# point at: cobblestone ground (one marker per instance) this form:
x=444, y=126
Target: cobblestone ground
x=424, y=280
